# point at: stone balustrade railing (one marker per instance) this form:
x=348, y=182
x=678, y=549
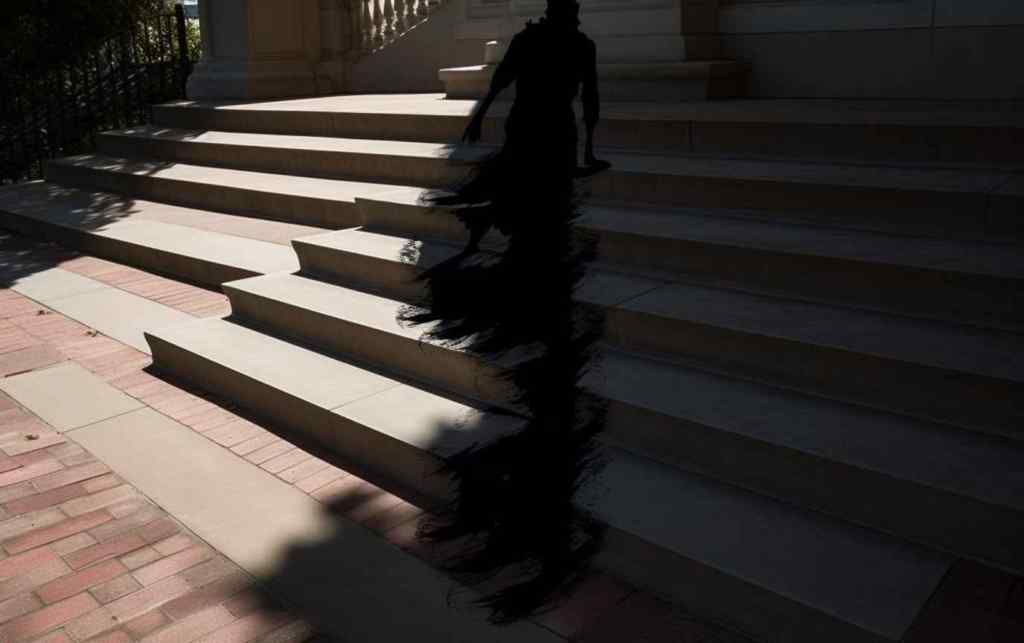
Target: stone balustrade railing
x=380, y=22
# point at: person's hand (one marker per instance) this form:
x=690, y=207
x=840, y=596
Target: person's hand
x=473, y=130
x=591, y=164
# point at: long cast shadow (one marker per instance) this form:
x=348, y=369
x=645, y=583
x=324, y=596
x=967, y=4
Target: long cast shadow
x=528, y=541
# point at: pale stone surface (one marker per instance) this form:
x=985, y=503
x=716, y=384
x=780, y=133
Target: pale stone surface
x=120, y=315
x=702, y=225
x=904, y=339
x=53, y=284
x=392, y=154
x=202, y=176
x=248, y=254
x=257, y=49
x=287, y=143
x=403, y=209
x=796, y=554
x=886, y=336
x=143, y=225
x=968, y=464
x=326, y=299
x=795, y=111
x=67, y=396
x=427, y=421
x=303, y=373
x=284, y=537
x=800, y=16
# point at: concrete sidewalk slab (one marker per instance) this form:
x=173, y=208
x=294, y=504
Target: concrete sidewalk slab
x=357, y=585
x=120, y=314
x=53, y=284
x=68, y=396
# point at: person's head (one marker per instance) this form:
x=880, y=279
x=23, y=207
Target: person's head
x=563, y=12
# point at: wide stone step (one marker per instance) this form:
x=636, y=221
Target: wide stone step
x=667, y=82
x=935, y=202
x=811, y=129
x=327, y=203
x=202, y=247
x=967, y=282
x=752, y=561
x=942, y=372
x=812, y=452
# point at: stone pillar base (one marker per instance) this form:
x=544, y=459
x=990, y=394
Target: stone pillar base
x=245, y=80
x=257, y=49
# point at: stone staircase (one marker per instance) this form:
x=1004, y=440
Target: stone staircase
x=814, y=361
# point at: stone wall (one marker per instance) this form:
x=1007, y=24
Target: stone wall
x=935, y=49
x=411, y=63
x=886, y=49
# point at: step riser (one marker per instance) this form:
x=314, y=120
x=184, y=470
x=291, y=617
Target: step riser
x=393, y=465
x=189, y=269
x=972, y=401
x=876, y=142
x=384, y=457
x=387, y=278
x=958, y=215
x=954, y=523
x=394, y=127
x=954, y=215
x=421, y=172
x=796, y=477
x=325, y=213
x=935, y=294
x=667, y=137
x=742, y=606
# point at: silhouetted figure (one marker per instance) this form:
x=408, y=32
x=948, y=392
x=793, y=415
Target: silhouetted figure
x=551, y=62
x=515, y=499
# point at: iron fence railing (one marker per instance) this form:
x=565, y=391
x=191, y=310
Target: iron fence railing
x=59, y=112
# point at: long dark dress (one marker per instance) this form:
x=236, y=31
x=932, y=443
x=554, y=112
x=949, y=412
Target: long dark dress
x=515, y=498
x=550, y=67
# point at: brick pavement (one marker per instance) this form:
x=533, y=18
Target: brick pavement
x=86, y=558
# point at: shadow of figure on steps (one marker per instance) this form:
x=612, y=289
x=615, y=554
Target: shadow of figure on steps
x=529, y=541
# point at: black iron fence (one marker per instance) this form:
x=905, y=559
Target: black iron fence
x=59, y=112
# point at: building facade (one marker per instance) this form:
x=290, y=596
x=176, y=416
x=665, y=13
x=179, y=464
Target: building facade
x=870, y=49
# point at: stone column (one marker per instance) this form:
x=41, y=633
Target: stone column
x=257, y=49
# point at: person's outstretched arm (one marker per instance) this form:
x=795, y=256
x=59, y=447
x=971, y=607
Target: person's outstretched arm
x=504, y=76
x=591, y=101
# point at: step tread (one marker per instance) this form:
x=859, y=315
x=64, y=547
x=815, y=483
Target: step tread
x=670, y=70
x=270, y=183
x=834, y=174
x=934, y=344
x=963, y=463
x=791, y=552
x=209, y=236
x=919, y=113
x=285, y=142
x=727, y=227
